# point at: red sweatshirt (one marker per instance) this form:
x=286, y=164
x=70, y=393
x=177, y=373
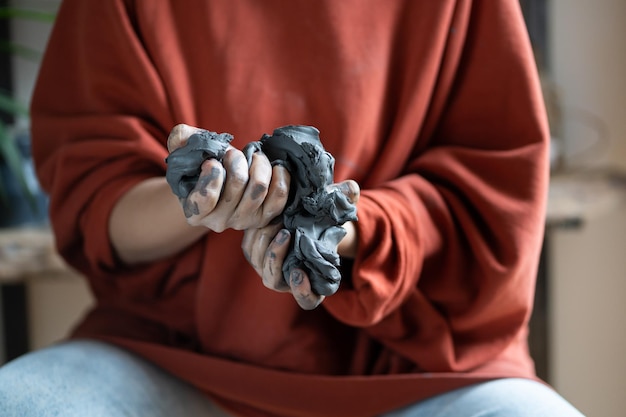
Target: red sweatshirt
x=433, y=107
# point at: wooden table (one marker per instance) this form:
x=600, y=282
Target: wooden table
x=26, y=253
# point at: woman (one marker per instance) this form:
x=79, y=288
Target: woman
x=433, y=113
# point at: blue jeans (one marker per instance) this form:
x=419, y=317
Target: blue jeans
x=66, y=380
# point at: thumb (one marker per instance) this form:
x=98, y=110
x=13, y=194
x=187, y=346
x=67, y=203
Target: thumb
x=179, y=135
x=350, y=189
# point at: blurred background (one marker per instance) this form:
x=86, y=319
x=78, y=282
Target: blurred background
x=578, y=329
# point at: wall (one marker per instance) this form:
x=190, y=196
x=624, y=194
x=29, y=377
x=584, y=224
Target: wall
x=588, y=265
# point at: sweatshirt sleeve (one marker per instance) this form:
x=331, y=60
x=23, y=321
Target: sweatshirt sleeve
x=448, y=251
x=100, y=119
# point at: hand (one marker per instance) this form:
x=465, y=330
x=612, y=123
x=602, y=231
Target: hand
x=266, y=248
x=232, y=194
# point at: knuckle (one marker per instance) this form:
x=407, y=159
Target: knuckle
x=237, y=177
x=282, y=190
x=281, y=181
x=258, y=188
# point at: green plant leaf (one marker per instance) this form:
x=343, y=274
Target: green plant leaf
x=44, y=12
x=10, y=153
x=34, y=15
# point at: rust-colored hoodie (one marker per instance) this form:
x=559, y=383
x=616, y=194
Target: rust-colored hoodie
x=433, y=107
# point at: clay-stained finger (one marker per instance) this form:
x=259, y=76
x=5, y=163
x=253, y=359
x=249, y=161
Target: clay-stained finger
x=263, y=239
x=237, y=175
x=247, y=246
x=260, y=175
x=205, y=195
x=278, y=193
x=350, y=189
x=301, y=290
x=255, y=244
x=273, y=262
x=236, y=168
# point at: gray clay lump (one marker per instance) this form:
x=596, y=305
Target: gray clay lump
x=184, y=164
x=314, y=212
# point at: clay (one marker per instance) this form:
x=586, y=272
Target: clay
x=314, y=212
x=184, y=163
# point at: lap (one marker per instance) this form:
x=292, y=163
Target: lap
x=79, y=378
x=89, y=378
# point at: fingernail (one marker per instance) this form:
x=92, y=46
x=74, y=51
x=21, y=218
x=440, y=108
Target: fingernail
x=282, y=236
x=295, y=277
x=190, y=209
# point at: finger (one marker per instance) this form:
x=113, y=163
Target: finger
x=350, y=189
x=248, y=213
x=273, y=262
x=301, y=290
x=225, y=212
x=278, y=193
x=247, y=246
x=348, y=245
x=205, y=195
x=262, y=241
x=255, y=243
x=178, y=136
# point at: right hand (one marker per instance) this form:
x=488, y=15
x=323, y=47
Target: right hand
x=232, y=194
x=266, y=249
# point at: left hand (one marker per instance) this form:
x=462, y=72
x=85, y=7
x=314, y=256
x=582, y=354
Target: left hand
x=266, y=249
x=234, y=193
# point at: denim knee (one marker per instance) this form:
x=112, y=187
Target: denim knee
x=508, y=397
x=88, y=378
